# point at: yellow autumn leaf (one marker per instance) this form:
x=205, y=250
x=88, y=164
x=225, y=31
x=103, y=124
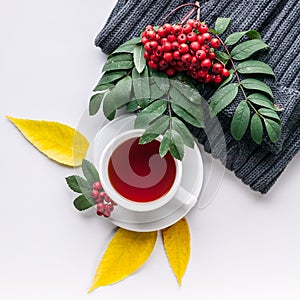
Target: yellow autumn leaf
x=126, y=252
x=177, y=245
x=59, y=142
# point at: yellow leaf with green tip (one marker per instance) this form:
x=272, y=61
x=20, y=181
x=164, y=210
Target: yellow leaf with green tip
x=126, y=253
x=59, y=142
x=177, y=245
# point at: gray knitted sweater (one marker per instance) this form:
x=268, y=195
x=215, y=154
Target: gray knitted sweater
x=278, y=21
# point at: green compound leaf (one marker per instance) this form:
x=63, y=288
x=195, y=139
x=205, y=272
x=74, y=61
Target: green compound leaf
x=223, y=97
x=158, y=127
x=150, y=113
x=138, y=58
x=262, y=100
x=76, y=183
x=266, y=112
x=234, y=38
x=256, y=129
x=172, y=142
x=110, y=77
x=121, y=61
x=240, y=120
x=185, y=134
x=246, y=49
x=273, y=130
x=95, y=103
x=254, y=67
x=254, y=84
x=128, y=47
x=81, y=203
x=90, y=172
x=222, y=24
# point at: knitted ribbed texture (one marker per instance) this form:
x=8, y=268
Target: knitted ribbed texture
x=279, y=23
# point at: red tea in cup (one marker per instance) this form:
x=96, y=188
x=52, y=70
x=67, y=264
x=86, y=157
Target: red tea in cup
x=138, y=173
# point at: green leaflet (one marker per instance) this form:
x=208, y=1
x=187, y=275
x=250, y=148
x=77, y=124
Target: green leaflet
x=256, y=129
x=240, y=120
x=158, y=127
x=172, y=142
x=76, y=183
x=110, y=77
x=266, y=112
x=141, y=84
x=81, y=203
x=254, y=67
x=161, y=80
x=155, y=92
x=117, y=97
x=189, y=92
x=233, y=38
x=109, y=108
x=246, y=49
x=262, y=100
x=138, y=58
x=132, y=106
x=254, y=84
x=128, y=47
x=90, y=172
x=179, y=99
x=222, y=24
x=103, y=87
x=95, y=103
x=121, y=61
x=150, y=113
x=223, y=97
x=222, y=56
x=185, y=115
x=185, y=134
x=273, y=129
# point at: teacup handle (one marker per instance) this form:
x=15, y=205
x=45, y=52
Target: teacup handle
x=186, y=197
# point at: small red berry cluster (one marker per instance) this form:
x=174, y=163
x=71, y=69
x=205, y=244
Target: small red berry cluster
x=189, y=48
x=105, y=205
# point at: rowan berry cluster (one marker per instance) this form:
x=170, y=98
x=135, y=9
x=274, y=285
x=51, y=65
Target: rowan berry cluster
x=184, y=48
x=105, y=205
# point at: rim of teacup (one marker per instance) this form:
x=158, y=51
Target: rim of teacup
x=114, y=194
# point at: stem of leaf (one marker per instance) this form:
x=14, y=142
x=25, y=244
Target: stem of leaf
x=175, y=9
x=198, y=10
x=188, y=15
x=169, y=111
x=237, y=76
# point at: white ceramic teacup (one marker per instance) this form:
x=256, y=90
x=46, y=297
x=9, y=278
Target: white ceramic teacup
x=127, y=203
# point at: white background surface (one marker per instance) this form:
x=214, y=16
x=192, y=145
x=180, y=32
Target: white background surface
x=244, y=246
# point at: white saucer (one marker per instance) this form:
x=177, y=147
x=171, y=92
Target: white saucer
x=171, y=212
